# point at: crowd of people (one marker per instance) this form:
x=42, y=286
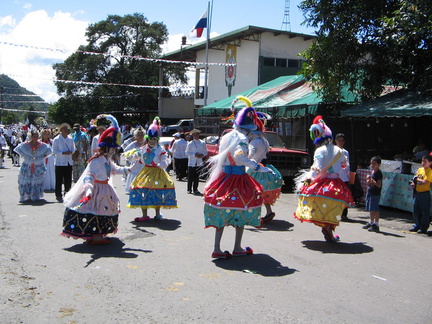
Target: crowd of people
x=77, y=163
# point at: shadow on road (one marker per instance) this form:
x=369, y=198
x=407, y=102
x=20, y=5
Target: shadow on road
x=261, y=264
x=113, y=250
x=40, y=202
x=275, y=225
x=390, y=234
x=163, y=224
x=338, y=248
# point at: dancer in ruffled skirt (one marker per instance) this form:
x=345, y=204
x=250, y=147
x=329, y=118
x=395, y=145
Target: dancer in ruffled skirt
x=231, y=196
x=152, y=187
x=271, y=181
x=92, y=205
x=322, y=193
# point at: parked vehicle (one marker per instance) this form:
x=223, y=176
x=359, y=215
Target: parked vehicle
x=183, y=125
x=287, y=161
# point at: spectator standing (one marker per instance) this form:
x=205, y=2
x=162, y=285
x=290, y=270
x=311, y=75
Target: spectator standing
x=3, y=144
x=167, y=149
x=63, y=147
x=373, y=195
x=49, y=182
x=95, y=140
x=178, y=150
x=421, y=150
x=80, y=155
x=422, y=200
x=196, y=149
x=14, y=142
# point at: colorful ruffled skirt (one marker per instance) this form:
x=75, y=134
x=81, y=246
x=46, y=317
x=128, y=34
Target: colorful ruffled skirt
x=271, y=182
x=152, y=188
x=323, y=201
x=234, y=198
x=98, y=217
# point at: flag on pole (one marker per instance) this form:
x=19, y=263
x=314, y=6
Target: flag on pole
x=197, y=31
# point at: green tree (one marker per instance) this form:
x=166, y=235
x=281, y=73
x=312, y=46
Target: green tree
x=120, y=38
x=367, y=44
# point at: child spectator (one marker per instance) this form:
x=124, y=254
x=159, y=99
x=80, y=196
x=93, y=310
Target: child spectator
x=374, y=182
x=421, y=205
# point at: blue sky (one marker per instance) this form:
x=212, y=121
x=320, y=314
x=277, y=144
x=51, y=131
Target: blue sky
x=61, y=25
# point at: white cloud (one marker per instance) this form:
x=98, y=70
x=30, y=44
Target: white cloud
x=30, y=64
x=7, y=21
x=30, y=67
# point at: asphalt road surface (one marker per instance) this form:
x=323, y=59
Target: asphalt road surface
x=162, y=271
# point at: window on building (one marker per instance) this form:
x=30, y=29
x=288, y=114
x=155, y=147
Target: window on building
x=293, y=64
x=280, y=62
x=268, y=61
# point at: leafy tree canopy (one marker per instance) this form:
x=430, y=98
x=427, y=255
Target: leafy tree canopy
x=119, y=38
x=367, y=44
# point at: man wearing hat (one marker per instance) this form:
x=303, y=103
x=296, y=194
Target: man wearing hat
x=80, y=155
x=196, y=149
x=94, y=144
x=63, y=147
x=178, y=150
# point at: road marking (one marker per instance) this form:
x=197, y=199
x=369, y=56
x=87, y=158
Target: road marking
x=379, y=278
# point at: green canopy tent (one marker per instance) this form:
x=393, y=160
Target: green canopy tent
x=289, y=100
x=390, y=126
x=286, y=96
x=400, y=103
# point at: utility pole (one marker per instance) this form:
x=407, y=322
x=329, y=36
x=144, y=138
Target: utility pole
x=286, y=25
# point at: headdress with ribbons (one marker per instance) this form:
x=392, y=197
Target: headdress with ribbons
x=247, y=117
x=111, y=136
x=154, y=129
x=319, y=131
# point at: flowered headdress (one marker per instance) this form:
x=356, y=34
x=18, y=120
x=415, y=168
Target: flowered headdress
x=110, y=137
x=154, y=129
x=319, y=131
x=246, y=117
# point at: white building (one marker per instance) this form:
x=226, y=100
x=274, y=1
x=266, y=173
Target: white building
x=260, y=54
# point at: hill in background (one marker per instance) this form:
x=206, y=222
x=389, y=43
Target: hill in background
x=16, y=102
x=16, y=97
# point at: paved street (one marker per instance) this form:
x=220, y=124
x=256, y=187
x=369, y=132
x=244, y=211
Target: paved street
x=162, y=272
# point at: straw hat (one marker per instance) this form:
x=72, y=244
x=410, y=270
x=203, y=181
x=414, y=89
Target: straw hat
x=193, y=131
x=64, y=125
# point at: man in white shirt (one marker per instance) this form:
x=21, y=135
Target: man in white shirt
x=63, y=147
x=196, y=149
x=95, y=140
x=3, y=144
x=178, y=150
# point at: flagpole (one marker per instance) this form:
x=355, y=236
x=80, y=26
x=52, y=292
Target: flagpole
x=209, y=16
